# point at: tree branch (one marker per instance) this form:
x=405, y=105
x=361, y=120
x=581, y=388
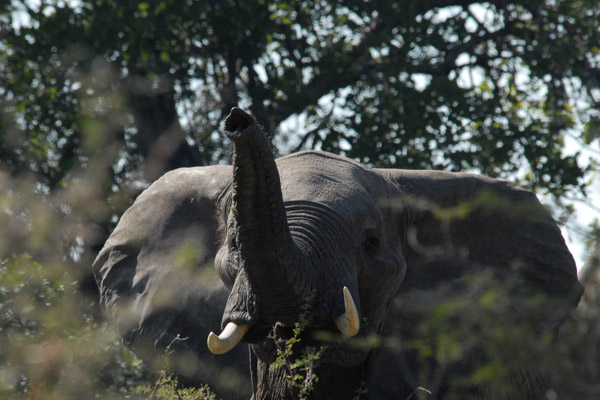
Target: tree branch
x=590, y=270
x=449, y=63
x=314, y=132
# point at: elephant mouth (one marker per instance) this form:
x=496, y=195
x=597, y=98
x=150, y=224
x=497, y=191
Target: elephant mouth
x=285, y=343
x=347, y=323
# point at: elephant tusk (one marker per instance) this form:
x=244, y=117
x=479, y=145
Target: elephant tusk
x=228, y=339
x=348, y=323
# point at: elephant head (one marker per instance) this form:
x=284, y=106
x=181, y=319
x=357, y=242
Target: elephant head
x=352, y=251
x=305, y=232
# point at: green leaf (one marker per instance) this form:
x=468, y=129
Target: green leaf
x=489, y=373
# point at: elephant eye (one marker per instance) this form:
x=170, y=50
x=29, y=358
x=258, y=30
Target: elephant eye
x=371, y=242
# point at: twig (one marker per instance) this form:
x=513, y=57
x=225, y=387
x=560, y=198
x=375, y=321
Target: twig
x=417, y=390
x=314, y=131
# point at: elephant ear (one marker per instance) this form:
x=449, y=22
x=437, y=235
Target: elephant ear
x=157, y=280
x=485, y=262
x=455, y=224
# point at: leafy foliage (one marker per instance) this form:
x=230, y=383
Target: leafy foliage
x=300, y=369
x=491, y=87
x=166, y=388
x=51, y=345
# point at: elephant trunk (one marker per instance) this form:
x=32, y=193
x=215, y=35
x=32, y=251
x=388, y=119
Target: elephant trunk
x=271, y=264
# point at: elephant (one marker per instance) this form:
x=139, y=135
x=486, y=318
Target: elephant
x=316, y=257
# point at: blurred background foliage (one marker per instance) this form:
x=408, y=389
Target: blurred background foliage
x=99, y=98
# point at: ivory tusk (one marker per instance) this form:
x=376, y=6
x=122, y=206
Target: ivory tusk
x=228, y=339
x=349, y=322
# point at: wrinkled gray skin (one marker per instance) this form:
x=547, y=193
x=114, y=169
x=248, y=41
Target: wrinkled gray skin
x=297, y=230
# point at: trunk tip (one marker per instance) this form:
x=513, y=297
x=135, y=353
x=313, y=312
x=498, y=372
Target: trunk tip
x=238, y=120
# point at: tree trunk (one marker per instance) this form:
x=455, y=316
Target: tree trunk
x=160, y=138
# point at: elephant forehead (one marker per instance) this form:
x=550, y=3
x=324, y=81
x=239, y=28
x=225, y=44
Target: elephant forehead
x=317, y=186
x=327, y=179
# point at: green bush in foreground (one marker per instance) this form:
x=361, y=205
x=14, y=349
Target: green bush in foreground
x=51, y=345
x=166, y=388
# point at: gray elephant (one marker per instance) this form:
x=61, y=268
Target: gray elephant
x=354, y=253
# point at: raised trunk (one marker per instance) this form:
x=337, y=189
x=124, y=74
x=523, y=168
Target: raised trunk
x=271, y=263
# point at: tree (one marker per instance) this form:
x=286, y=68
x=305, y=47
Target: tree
x=463, y=85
